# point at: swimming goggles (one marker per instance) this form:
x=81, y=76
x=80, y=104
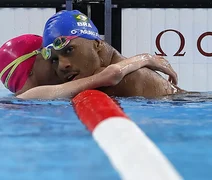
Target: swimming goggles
x=58, y=44
x=14, y=64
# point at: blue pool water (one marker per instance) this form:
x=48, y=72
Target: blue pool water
x=45, y=139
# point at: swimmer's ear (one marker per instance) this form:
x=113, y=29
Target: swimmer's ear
x=98, y=44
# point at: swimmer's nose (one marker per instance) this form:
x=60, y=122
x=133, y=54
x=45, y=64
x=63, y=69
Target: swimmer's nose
x=64, y=64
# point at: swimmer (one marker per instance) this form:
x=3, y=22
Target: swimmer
x=74, y=47
x=24, y=71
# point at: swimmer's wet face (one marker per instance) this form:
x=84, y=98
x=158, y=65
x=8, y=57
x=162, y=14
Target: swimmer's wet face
x=22, y=66
x=75, y=44
x=74, y=41
x=42, y=74
x=77, y=59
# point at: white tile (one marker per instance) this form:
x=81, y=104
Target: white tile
x=185, y=76
x=200, y=78
x=209, y=77
x=35, y=23
x=8, y=24
x=143, y=33
x=129, y=32
x=22, y=20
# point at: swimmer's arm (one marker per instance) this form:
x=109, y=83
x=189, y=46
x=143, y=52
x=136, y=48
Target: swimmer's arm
x=156, y=63
x=110, y=76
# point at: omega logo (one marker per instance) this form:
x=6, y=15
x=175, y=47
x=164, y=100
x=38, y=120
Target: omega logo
x=180, y=52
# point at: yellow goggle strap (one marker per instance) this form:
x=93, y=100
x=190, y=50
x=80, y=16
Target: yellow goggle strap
x=15, y=64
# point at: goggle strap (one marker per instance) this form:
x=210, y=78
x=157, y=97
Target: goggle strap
x=16, y=63
x=6, y=68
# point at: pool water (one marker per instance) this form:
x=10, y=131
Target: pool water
x=46, y=140
x=181, y=128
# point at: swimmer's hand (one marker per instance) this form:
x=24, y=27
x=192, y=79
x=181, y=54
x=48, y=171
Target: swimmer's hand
x=159, y=63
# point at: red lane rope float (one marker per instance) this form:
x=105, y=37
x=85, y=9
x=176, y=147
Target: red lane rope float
x=130, y=151
x=93, y=106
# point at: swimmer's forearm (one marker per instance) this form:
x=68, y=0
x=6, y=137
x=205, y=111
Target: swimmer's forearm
x=71, y=89
x=66, y=90
x=132, y=64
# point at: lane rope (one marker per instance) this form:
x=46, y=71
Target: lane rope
x=130, y=151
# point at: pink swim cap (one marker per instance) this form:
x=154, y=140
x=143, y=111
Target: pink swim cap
x=14, y=77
